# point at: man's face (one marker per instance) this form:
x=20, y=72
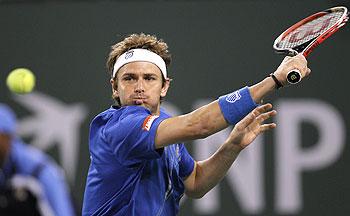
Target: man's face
x=140, y=83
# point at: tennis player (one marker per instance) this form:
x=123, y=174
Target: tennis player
x=139, y=165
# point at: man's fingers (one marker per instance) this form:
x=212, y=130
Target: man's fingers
x=262, y=117
x=246, y=121
x=301, y=57
x=308, y=71
x=261, y=109
x=266, y=127
x=303, y=63
x=298, y=62
x=259, y=112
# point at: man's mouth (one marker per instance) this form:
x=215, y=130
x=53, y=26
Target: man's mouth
x=138, y=100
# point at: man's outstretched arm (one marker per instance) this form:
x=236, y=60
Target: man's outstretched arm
x=208, y=173
x=217, y=115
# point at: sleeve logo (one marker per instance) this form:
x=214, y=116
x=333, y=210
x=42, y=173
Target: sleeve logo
x=148, y=122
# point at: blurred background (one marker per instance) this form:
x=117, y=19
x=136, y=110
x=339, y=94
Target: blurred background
x=300, y=168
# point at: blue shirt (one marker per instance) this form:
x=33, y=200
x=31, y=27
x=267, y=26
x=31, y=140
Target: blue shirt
x=28, y=162
x=127, y=175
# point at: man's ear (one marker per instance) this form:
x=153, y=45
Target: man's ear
x=114, y=90
x=165, y=88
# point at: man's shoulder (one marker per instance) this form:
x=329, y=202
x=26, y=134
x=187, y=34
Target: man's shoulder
x=122, y=112
x=113, y=117
x=164, y=113
x=133, y=110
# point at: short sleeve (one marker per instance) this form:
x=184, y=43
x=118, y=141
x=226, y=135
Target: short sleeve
x=131, y=135
x=186, y=163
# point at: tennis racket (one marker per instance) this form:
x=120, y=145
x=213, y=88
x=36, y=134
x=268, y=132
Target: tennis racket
x=304, y=36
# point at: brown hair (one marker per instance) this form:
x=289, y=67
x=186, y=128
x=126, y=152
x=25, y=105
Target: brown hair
x=133, y=41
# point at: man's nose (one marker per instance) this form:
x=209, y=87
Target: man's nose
x=139, y=86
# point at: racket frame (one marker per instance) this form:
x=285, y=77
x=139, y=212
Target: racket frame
x=294, y=76
x=313, y=43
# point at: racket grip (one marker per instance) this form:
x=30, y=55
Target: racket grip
x=294, y=76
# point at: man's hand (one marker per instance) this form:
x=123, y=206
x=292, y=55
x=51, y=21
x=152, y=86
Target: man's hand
x=298, y=62
x=208, y=173
x=251, y=126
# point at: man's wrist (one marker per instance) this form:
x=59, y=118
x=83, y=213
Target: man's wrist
x=232, y=149
x=262, y=89
x=278, y=84
x=236, y=105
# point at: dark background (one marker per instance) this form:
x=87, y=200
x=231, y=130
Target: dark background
x=217, y=46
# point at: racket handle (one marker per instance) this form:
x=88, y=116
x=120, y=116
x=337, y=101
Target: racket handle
x=294, y=76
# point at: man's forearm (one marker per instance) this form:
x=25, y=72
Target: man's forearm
x=261, y=89
x=208, y=119
x=212, y=170
x=211, y=118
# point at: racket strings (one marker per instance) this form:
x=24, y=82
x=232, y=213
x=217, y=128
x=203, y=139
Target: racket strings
x=310, y=30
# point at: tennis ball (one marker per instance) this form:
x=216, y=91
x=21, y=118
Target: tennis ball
x=21, y=81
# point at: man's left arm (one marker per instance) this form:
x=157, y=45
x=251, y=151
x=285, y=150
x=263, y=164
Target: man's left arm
x=208, y=173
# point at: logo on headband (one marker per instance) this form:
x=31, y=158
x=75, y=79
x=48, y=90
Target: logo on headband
x=129, y=54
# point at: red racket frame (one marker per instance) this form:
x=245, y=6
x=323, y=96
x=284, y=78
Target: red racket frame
x=316, y=41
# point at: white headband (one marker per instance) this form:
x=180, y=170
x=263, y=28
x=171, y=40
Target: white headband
x=140, y=55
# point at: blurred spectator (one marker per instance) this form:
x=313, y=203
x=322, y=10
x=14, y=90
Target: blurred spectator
x=31, y=183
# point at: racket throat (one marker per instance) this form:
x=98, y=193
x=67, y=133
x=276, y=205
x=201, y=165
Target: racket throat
x=300, y=48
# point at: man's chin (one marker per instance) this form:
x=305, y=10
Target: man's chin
x=141, y=104
x=145, y=105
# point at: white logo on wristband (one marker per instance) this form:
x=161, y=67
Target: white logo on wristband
x=234, y=96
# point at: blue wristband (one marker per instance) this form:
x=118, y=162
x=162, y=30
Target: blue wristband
x=236, y=105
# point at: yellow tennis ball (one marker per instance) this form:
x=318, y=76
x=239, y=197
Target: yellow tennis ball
x=21, y=81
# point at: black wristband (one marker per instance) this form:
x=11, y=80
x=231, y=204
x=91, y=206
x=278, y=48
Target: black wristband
x=278, y=83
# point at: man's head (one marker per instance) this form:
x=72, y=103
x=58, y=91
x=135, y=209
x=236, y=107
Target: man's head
x=138, y=67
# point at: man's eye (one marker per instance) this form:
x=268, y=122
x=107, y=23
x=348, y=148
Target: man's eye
x=150, y=78
x=127, y=78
